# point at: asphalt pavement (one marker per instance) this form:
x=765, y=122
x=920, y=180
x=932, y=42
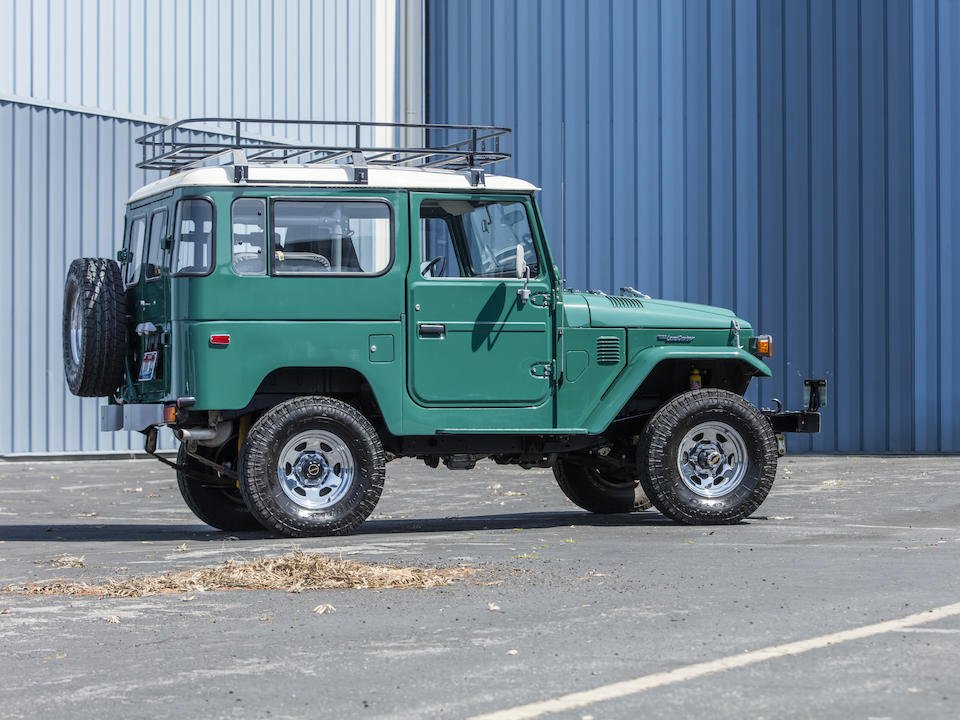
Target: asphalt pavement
x=641, y=617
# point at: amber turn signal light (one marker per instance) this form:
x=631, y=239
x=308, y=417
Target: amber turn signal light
x=170, y=414
x=763, y=345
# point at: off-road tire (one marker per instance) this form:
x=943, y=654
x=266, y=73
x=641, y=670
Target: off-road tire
x=221, y=507
x=93, y=307
x=598, y=491
x=659, y=447
x=260, y=460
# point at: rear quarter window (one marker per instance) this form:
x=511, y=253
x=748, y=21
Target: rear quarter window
x=332, y=237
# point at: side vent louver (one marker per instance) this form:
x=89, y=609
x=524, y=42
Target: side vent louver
x=625, y=302
x=608, y=350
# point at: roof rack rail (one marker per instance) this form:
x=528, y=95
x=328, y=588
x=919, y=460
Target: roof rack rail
x=242, y=142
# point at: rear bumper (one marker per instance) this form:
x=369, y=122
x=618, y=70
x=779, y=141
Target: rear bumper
x=130, y=417
x=799, y=421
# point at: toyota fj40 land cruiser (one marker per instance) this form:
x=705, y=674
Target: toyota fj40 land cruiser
x=299, y=314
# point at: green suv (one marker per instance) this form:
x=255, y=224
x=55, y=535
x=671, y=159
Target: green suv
x=300, y=314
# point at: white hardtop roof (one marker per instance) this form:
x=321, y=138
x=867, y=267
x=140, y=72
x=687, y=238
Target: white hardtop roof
x=336, y=175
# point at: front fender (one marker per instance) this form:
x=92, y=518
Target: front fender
x=642, y=364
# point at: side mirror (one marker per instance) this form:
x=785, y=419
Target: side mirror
x=523, y=272
x=521, y=263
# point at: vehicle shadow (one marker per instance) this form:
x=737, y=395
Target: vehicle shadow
x=519, y=521
x=146, y=532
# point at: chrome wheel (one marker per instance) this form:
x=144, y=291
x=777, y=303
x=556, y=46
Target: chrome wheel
x=712, y=459
x=315, y=469
x=76, y=330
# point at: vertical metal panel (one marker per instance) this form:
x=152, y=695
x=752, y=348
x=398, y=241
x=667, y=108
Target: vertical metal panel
x=948, y=158
x=68, y=174
x=61, y=197
x=153, y=59
x=796, y=161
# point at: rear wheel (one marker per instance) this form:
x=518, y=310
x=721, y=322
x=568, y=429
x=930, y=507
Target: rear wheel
x=94, y=327
x=312, y=466
x=707, y=457
x=214, y=498
x=600, y=491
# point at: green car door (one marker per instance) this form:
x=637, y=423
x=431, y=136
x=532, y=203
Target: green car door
x=151, y=310
x=477, y=335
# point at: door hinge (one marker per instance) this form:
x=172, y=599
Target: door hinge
x=543, y=299
x=546, y=370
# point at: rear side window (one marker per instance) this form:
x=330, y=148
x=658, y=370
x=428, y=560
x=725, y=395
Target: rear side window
x=193, y=239
x=249, y=236
x=331, y=237
x=135, y=237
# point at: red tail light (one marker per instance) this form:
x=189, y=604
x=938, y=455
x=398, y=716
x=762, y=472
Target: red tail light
x=221, y=340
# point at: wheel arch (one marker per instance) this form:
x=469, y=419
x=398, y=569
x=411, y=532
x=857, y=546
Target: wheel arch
x=340, y=382
x=654, y=375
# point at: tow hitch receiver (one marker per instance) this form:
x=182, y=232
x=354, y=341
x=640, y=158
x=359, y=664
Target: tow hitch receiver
x=800, y=421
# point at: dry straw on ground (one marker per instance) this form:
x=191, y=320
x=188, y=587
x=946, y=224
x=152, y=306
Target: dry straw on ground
x=65, y=561
x=294, y=572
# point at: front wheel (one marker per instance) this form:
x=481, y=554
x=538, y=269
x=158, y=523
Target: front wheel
x=707, y=457
x=312, y=466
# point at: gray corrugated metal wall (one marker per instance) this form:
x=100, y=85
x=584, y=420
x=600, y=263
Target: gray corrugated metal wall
x=180, y=58
x=796, y=161
x=78, y=82
x=62, y=190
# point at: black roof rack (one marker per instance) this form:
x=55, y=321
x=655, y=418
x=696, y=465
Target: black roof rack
x=197, y=142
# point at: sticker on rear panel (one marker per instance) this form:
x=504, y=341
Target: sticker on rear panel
x=148, y=365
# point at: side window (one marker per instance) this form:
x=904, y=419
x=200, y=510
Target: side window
x=134, y=246
x=437, y=251
x=158, y=223
x=249, y=236
x=331, y=237
x=193, y=239
x=480, y=239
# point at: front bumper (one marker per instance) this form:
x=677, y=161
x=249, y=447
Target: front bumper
x=130, y=417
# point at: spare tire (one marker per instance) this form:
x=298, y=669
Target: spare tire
x=94, y=327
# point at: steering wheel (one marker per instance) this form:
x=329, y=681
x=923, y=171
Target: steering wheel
x=435, y=267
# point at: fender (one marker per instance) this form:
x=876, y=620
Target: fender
x=642, y=364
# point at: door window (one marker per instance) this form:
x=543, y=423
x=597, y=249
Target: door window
x=158, y=223
x=484, y=235
x=437, y=250
x=135, y=238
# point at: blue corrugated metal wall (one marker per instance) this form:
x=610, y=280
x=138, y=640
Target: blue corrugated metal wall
x=796, y=161
x=79, y=80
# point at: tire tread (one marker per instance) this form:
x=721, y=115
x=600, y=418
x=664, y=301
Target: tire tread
x=256, y=464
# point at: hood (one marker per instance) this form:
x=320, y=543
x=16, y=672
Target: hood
x=628, y=312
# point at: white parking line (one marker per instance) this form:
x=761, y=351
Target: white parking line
x=565, y=703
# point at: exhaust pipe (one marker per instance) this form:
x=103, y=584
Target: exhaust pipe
x=209, y=436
